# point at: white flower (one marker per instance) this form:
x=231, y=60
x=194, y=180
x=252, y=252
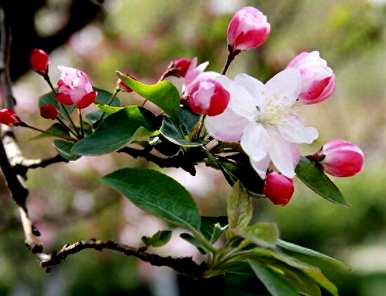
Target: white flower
x=261, y=118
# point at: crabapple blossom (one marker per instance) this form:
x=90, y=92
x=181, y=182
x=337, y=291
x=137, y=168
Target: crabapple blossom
x=341, y=158
x=278, y=188
x=39, y=61
x=208, y=97
x=247, y=29
x=8, y=117
x=261, y=117
x=75, y=88
x=318, y=79
x=48, y=111
x=192, y=73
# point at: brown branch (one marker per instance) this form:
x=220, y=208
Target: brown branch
x=183, y=265
x=178, y=161
x=21, y=168
x=9, y=150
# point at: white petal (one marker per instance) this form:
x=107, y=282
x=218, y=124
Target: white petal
x=293, y=130
x=241, y=101
x=284, y=87
x=227, y=126
x=254, y=141
x=252, y=85
x=261, y=166
x=281, y=153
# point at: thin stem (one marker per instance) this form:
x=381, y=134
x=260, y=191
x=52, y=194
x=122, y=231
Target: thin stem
x=197, y=130
x=70, y=120
x=65, y=126
x=109, y=102
x=232, y=53
x=23, y=124
x=81, y=123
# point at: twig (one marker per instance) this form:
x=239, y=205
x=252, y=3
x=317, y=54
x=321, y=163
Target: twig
x=178, y=161
x=22, y=167
x=184, y=265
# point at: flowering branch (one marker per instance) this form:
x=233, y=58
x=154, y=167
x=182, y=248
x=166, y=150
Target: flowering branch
x=184, y=265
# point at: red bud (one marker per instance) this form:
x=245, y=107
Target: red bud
x=8, y=117
x=39, y=61
x=48, y=111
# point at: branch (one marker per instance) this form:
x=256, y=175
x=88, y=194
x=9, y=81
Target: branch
x=178, y=161
x=9, y=150
x=183, y=265
x=21, y=168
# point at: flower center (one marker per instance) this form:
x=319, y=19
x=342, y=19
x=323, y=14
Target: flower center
x=273, y=111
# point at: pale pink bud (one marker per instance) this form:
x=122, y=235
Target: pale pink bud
x=341, y=158
x=8, y=117
x=278, y=188
x=318, y=80
x=207, y=97
x=75, y=88
x=248, y=29
x=39, y=61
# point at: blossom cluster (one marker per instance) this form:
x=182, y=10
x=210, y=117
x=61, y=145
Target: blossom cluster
x=258, y=116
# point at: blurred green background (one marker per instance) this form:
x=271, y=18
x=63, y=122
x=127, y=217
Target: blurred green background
x=141, y=37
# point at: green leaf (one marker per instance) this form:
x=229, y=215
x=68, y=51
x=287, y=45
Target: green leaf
x=312, y=271
x=262, y=234
x=213, y=227
x=310, y=256
x=274, y=282
x=64, y=148
x=156, y=194
x=239, y=207
x=116, y=131
x=312, y=176
x=301, y=282
x=179, y=135
x=192, y=240
x=158, y=239
x=54, y=130
x=164, y=94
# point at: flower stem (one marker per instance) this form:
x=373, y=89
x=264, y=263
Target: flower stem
x=198, y=128
x=23, y=124
x=109, y=102
x=81, y=123
x=232, y=53
x=62, y=123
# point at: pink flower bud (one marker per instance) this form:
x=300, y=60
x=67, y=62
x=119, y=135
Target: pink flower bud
x=248, y=29
x=179, y=67
x=278, y=188
x=48, y=111
x=207, y=97
x=8, y=117
x=341, y=158
x=318, y=79
x=39, y=61
x=75, y=88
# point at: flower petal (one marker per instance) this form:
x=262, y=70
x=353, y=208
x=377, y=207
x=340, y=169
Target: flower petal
x=241, y=101
x=252, y=85
x=284, y=87
x=293, y=130
x=254, y=141
x=261, y=166
x=227, y=126
x=281, y=153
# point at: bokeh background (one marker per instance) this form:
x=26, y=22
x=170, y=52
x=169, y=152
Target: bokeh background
x=140, y=37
